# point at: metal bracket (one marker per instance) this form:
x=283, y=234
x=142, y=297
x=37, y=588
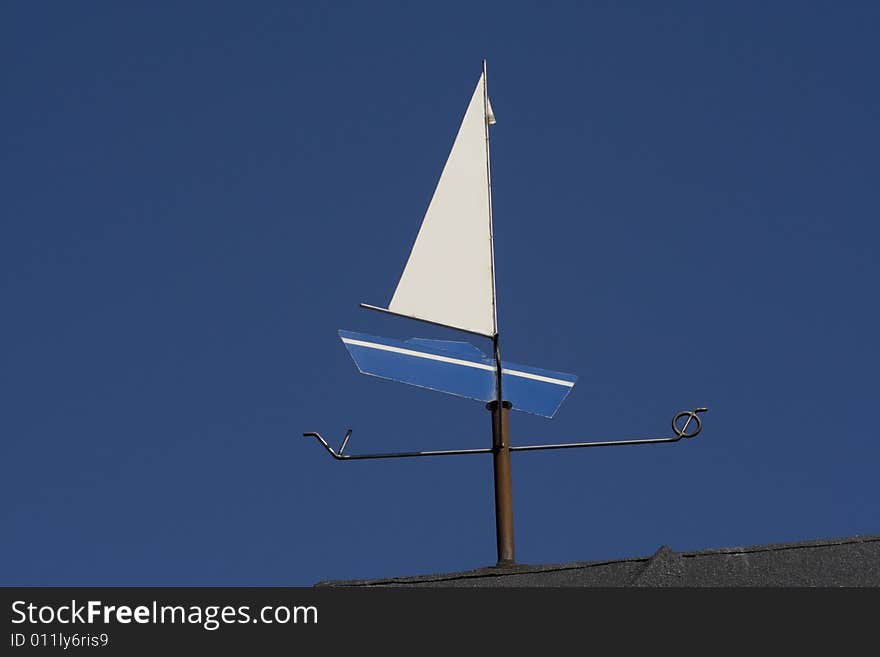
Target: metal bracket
x=679, y=431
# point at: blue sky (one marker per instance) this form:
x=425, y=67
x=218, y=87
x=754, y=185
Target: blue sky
x=196, y=196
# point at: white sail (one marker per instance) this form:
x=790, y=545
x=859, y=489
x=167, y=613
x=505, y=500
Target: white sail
x=449, y=277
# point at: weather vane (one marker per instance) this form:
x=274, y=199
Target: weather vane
x=449, y=281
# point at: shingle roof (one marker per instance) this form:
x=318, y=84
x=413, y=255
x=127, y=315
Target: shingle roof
x=853, y=561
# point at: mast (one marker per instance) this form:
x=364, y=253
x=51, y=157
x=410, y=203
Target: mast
x=489, y=194
x=499, y=408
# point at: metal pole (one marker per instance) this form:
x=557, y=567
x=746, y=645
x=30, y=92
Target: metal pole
x=503, y=490
x=499, y=408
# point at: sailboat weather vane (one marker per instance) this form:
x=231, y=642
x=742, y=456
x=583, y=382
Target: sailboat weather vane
x=457, y=230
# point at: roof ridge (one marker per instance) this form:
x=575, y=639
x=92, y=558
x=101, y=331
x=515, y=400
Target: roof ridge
x=779, y=547
x=665, y=565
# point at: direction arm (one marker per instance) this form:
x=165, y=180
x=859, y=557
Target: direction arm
x=681, y=428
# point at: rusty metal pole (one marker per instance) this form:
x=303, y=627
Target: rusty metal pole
x=503, y=490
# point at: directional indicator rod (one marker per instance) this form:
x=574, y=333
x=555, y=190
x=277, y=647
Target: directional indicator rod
x=686, y=424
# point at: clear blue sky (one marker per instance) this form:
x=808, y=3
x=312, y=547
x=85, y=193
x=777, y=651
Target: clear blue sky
x=196, y=196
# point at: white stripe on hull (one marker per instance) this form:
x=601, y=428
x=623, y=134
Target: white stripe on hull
x=455, y=361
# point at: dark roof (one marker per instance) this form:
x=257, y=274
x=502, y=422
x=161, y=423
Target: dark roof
x=851, y=561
